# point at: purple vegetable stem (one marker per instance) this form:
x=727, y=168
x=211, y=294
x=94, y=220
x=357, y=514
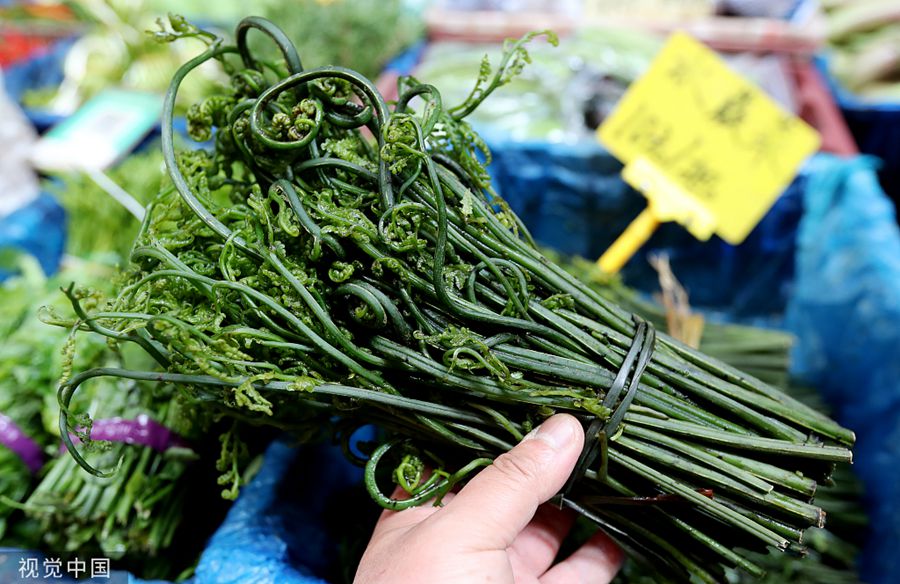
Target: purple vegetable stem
x=25, y=448
x=141, y=431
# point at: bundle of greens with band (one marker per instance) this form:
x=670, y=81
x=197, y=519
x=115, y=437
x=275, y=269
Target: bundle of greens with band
x=47, y=501
x=335, y=261
x=133, y=515
x=30, y=366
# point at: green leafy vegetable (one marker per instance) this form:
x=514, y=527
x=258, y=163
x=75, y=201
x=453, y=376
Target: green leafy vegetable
x=98, y=228
x=31, y=362
x=134, y=517
x=361, y=34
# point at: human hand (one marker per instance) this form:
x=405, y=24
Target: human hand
x=498, y=528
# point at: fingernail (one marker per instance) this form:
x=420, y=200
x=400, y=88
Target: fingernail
x=558, y=432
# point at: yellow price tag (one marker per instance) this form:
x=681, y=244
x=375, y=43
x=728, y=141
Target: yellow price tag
x=707, y=148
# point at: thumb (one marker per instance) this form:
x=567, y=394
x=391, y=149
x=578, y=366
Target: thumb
x=496, y=505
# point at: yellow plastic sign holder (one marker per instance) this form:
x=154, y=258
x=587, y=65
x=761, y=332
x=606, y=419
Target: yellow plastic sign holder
x=707, y=148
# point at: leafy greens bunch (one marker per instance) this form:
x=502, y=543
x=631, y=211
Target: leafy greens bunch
x=46, y=500
x=31, y=361
x=336, y=261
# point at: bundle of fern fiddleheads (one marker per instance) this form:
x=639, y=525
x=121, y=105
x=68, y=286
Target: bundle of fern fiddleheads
x=335, y=261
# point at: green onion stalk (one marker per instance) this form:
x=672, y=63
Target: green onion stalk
x=151, y=512
x=24, y=414
x=17, y=471
x=335, y=261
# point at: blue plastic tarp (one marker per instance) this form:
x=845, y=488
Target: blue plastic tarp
x=289, y=524
x=39, y=229
x=845, y=311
